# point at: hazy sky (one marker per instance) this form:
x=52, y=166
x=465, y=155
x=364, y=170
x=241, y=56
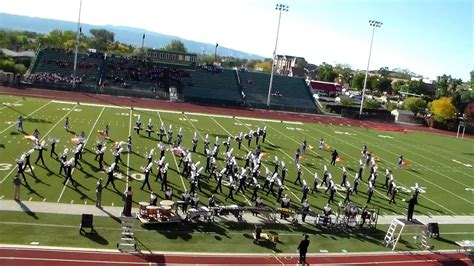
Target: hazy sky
x=430, y=37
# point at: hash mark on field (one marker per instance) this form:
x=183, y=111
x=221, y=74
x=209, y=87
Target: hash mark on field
x=2, y=196
x=85, y=202
x=72, y=201
x=112, y=204
x=30, y=198
x=44, y=199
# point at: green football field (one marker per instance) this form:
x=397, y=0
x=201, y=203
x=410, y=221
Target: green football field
x=439, y=164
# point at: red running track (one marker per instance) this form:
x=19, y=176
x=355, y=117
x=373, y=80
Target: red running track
x=191, y=107
x=51, y=257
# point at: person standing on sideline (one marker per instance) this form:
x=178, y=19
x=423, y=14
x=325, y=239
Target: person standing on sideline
x=303, y=249
x=127, y=207
x=98, y=194
x=17, y=184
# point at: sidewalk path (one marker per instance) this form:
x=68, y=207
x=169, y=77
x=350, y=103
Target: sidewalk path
x=78, y=209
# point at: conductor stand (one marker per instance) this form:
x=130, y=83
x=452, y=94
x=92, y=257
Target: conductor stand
x=400, y=226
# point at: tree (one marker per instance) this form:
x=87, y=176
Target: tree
x=384, y=85
x=391, y=106
x=343, y=71
x=58, y=39
x=414, y=104
x=417, y=87
x=384, y=71
x=371, y=104
x=397, y=86
x=175, y=46
x=446, y=85
x=472, y=78
x=101, y=39
x=326, y=73
x=266, y=66
x=358, y=81
x=443, y=108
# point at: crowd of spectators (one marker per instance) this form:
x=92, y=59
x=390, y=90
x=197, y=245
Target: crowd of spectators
x=54, y=78
x=213, y=69
x=123, y=69
x=82, y=63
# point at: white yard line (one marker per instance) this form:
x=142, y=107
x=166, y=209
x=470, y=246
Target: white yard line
x=220, y=163
x=66, y=261
x=327, y=161
x=128, y=154
x=407, y=150
x=424, y=179
x=174, y=158
x=350, y=144
x=182, y=112
x=7, y=105
x=42, y=138
x=287, y=187
x=28, y=115
x=90, y=134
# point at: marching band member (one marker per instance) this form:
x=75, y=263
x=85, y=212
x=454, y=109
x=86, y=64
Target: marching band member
x=40, y=149
x=304, y=210
x=239, y=139
x=53, y=142
x=170, y=134
x=161, y=133
x=264, y=133
x=195, y=141
x=138, y=124
x=110, y=175
x=299, y=174
x=315, y=183
x=147, y=172
x=149, y=128
x=164, y=177
x=321, y=144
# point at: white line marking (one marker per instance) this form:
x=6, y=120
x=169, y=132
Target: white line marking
x=128, y=154
x=434, y=184
x=72, y=260
x=90, y=134
x=174, y=158
x=8, y=105
x=220, y=162
x=44, y=136
x=417, y=154
x=28, y=115
x=350, y=144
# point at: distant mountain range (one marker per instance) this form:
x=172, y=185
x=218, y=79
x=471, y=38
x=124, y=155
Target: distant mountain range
x=123, y=34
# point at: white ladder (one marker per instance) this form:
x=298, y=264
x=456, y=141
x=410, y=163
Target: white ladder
x=391, y=238
x=424, y=239
x=127, y=238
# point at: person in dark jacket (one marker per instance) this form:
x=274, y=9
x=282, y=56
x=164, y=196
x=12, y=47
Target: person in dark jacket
x=303, y=249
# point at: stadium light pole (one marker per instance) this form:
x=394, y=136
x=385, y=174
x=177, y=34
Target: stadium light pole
x=374, y=24
x=78, y=36
x=280, y=8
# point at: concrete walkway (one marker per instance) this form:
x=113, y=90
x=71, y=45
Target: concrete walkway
x=78, y=209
